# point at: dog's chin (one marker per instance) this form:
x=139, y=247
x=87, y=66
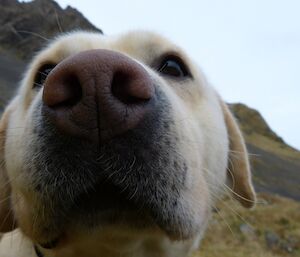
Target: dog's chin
x=100, y=209
x=130, y=195
x=108, y=205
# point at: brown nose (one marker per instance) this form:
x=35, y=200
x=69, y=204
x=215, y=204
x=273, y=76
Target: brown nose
x=97, y=94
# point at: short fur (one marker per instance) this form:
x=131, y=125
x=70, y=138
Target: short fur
x=198, y=152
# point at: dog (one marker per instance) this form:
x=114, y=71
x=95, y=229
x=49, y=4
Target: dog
x=115, y=146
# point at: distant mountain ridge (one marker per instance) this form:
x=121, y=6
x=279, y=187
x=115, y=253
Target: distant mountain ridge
x=275, y=165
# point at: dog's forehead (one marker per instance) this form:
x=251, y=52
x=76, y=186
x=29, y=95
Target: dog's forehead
x=146, y=47
x=142, y=45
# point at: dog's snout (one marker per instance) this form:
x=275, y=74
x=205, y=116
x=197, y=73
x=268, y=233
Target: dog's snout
x=97, y=90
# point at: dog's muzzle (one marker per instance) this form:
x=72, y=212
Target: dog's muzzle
x=105, y=145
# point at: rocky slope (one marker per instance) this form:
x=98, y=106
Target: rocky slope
x=11, y=69
x=27, y=26
x=276, y=166
x=272, y=229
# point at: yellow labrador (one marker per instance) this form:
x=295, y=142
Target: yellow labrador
x=115, y=146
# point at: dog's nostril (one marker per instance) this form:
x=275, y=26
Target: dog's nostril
x=64, y=93
x=130, y=90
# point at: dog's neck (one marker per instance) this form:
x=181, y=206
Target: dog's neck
x=92, y=246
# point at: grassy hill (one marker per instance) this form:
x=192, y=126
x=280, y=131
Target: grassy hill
x=271, y=229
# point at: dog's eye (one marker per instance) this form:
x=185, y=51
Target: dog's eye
x=42, y=74
x=173, y=66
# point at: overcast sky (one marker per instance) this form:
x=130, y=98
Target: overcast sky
x=250, y=50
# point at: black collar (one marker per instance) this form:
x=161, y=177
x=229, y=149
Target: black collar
x=37, y=251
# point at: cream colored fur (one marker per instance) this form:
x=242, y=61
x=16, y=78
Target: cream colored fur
x=211, y=140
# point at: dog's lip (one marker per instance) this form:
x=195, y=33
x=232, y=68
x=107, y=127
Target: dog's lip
x=134, y=223
x=94, y=210
x=103, y=197
x=57, y=243
x=51, y=244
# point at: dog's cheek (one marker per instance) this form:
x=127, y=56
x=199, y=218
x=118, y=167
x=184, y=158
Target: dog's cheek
x=194, y=204
x=31, y=216
x=6, y=213
x=199, y=203
x=197, y=195
x=19, y=133
x=23, y=213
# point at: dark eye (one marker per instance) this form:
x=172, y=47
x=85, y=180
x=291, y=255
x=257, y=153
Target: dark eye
x=173, y=66
x=42, y=74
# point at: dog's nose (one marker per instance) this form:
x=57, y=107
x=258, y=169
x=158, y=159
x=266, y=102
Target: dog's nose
x=97, y=94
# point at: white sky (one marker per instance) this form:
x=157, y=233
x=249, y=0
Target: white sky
x=249, y=50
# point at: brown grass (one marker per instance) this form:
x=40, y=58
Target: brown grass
x=279, y=215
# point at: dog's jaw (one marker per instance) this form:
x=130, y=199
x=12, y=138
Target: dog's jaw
x=127, y=243
x=89, y=244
